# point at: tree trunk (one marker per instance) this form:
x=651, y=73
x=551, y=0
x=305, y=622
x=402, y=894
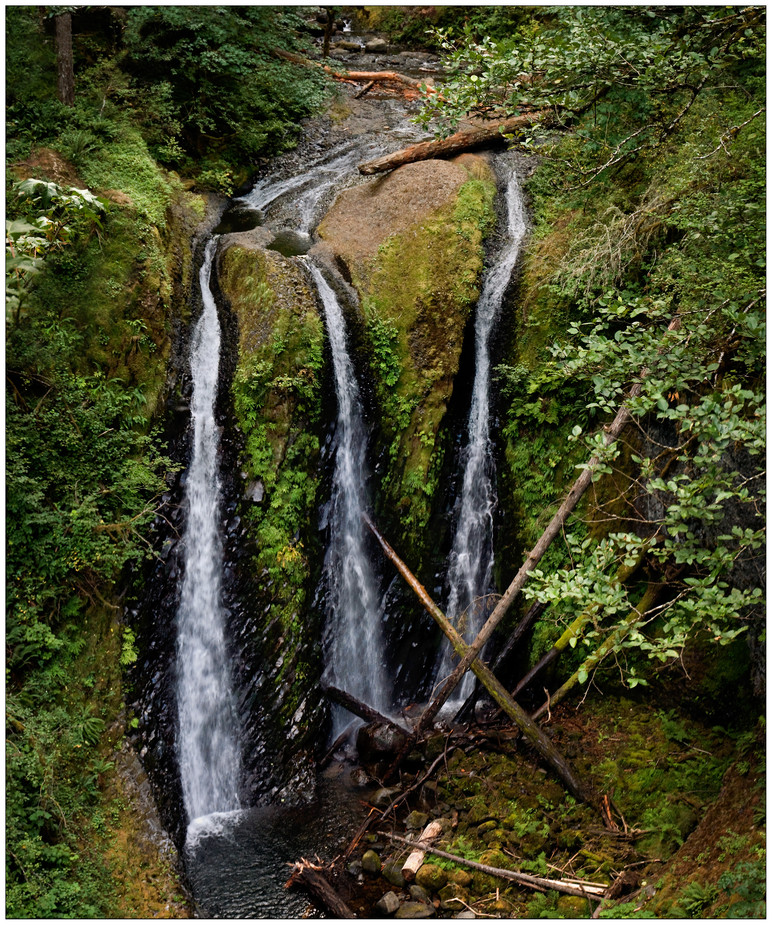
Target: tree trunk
x=580, y=486
x=360, y=709
x=453, y=144
x=64, y=61
x=329, y=23
x=543, y=745
x=577, y=888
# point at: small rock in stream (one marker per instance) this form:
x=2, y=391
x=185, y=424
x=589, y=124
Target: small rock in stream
x=371, y=863
x=414, y=910
x=387, y=904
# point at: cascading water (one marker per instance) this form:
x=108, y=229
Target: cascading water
x=353, y=643
x=471, y=559
x=208, y=739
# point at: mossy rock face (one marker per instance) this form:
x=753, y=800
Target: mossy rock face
x=277, y=400
x=412, y=244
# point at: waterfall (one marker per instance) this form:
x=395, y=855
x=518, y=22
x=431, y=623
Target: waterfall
x=207, y=744
x=470, y=564
x=353, y=641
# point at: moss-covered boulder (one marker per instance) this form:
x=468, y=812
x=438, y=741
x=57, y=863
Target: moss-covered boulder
x=276, y=393
x=412, y=245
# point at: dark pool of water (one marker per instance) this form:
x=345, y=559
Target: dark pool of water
x=238, y=863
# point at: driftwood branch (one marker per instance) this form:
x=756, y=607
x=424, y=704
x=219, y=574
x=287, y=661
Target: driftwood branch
x=531, y=731
x=310, y=878
x=453, y=144
x=576, y=888
x=416, y=858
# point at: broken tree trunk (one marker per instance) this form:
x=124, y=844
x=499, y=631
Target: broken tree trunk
x=580, y=486
x=531, y=731
x=453, y=144
x=576, y=888
x=417, y=855
x=636, y=616
x=360, y=709
x=310, y=878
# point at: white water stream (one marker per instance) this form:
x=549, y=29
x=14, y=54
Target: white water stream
x=353, y=639
x=470, y=565
x=208, y=741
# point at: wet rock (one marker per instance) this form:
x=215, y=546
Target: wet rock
x=387, y=904
x=371, y=863
x=377, y=46
x=414, y=910
x=416, y=820
x=479, y=813
x=377, y=741
x=392, y=872
x=462, y=877
x=384, y=796
x=346, y=45
x=501, y=907
x=359, y=777
x=431, y=877
x=419, y=894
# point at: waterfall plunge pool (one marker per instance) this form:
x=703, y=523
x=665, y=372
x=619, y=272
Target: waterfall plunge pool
x=238, y=862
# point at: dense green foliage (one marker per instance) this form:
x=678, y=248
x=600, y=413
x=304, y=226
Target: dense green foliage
x=97, y=253
x=199, y=84
x=82, y=471
x=647, y=270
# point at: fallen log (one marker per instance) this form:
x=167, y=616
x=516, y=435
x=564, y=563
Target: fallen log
x=531, y=731
x=360, y=709
x=611, y=434
x=417, y=855
x=355, y=76
x=310, y=878
x=519, y=631
x=542, y=884
x=453, y=144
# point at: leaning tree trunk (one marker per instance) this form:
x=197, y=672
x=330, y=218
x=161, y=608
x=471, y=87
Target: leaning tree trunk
x=64, y=61
x=611, y=435
x=530, y=730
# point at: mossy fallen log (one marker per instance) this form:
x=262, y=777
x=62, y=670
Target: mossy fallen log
x=454, y=144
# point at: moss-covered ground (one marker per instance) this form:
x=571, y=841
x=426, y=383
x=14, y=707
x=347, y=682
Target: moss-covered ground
x=686, y=836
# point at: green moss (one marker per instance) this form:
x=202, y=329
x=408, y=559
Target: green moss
x=417, y=295
x=277, y=401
